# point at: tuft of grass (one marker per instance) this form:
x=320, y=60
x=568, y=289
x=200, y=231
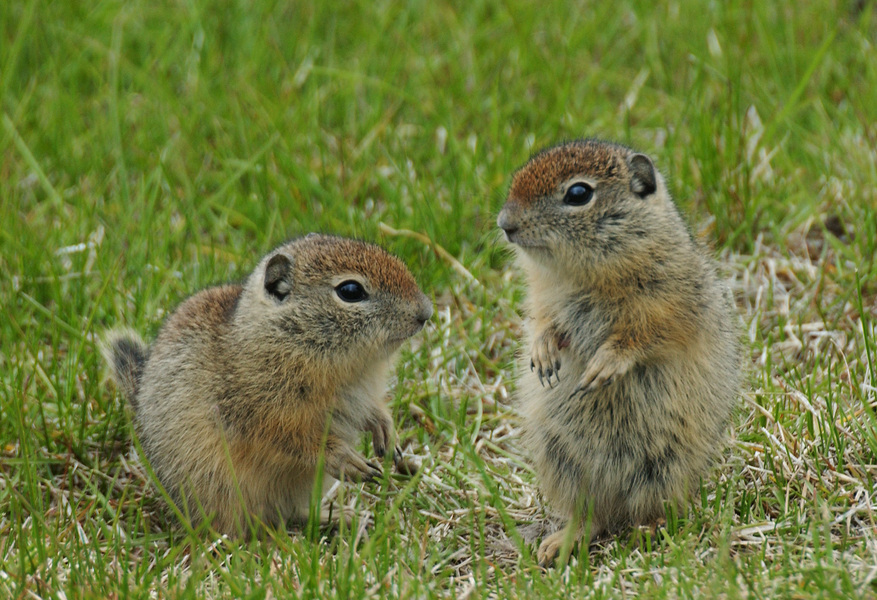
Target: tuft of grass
x=148, y=150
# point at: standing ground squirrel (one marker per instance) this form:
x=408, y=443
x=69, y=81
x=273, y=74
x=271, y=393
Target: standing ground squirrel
x=246, y=386
x=634, y=359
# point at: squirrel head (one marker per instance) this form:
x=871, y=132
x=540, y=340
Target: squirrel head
x=335, y=300
x=587, y=206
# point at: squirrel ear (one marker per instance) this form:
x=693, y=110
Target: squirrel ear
x=278, y=276
x=643, y=181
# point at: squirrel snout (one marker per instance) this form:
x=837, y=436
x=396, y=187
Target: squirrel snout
x=424, y=313
x=506, y=222
x=402, y=324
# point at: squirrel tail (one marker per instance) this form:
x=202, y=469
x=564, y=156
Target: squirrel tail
x=126, y=353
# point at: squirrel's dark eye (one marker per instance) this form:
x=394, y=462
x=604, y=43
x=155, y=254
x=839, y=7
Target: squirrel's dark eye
x=351, y=291
x=578, y=194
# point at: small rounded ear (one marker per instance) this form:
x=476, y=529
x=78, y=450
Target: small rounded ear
x=278, y=276
x=643, y=181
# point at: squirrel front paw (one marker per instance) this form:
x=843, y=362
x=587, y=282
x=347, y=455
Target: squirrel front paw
x=545, y=355
x=604, y=367
x=343, y=462
x=384, y=435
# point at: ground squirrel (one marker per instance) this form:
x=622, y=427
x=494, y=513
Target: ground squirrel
x=634, y=362
x=246, y=386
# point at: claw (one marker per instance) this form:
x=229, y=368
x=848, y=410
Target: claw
x=544, y=359
x=376, y=471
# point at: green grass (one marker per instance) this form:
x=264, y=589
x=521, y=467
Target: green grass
x=148, y=149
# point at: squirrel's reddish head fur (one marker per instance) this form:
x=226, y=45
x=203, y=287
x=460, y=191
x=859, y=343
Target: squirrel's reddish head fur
x=552, y=166
x=321, y=254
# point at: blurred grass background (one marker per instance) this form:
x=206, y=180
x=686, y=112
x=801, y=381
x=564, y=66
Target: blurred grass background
x=149, y=149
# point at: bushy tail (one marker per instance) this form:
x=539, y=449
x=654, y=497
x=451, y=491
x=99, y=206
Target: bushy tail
x=125, y=353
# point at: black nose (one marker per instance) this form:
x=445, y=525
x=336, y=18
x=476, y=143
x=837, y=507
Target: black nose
x=506, y=222
x=424, y=315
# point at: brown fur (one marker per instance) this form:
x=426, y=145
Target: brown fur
x=247, y=387
x=555, y=165
x=634, y=362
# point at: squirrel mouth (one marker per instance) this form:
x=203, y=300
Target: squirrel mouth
x=528, y=245
x=513, y=237
x=398, y=339
x=524, y=242
x=537, y=252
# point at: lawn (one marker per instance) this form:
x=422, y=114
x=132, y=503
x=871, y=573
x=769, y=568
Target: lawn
x=150, y=149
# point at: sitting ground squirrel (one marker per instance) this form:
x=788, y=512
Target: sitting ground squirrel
x=634, y=357
x=246, y=386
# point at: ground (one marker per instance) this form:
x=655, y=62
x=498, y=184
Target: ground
x=152, y=149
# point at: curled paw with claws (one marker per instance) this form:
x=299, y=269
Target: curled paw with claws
x=384, y=436
x=343, y=462
x=545, y=356
x=605, y=367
